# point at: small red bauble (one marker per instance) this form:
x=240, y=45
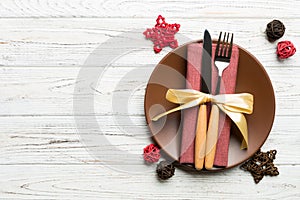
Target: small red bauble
x=162, y=34
x=151, y=153
x=285, y=49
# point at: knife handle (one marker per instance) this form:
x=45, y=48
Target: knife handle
x=212, y=137
x=200, y=140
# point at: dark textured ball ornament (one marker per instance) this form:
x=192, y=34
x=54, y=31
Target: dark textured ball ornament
x=275, y=30
x=165, y=170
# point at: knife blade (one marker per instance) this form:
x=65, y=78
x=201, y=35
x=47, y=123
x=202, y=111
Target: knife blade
x=205, y=86
x=206, y=71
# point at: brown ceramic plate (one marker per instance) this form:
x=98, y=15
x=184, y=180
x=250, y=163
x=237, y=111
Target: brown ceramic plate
x=170, y=73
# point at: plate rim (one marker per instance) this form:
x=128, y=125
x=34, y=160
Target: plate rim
x=215, y=169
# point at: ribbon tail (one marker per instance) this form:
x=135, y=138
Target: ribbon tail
x=241, y=122
x=184, y=106
x=166, y=113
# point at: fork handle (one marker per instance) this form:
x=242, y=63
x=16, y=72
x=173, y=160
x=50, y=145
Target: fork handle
x=212, y=137
x=218, y=85
x=212, y=132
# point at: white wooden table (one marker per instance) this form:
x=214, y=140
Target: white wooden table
x=43, y=45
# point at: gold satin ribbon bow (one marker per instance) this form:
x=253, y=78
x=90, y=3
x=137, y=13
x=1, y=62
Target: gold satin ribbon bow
x=233, y=105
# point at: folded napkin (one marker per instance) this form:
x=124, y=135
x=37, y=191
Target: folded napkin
x=194, y=55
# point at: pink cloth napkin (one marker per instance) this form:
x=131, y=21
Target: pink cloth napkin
x=190, y=115
x=194, y=56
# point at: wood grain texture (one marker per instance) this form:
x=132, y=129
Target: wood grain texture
x=68, y=42
x=58, y=139
x=45, y=154
x=50, y=90
x=149, y=8
x=100, y=182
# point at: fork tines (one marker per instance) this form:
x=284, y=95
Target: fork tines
x=226, y=48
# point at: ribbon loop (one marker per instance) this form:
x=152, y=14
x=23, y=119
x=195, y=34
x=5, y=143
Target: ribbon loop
x=233, y=105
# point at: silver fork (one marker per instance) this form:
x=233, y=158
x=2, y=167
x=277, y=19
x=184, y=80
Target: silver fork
x=222, y=56
x=222, y=60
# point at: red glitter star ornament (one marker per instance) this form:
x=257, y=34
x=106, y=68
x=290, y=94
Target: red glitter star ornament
x=162, y=34
x=151, y=153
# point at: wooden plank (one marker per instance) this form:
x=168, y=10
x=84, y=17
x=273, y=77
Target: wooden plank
x=61, y=140
x=68, y=42
x=43, y=152
x=135, y=8
x=99, y=182
x=50, y=91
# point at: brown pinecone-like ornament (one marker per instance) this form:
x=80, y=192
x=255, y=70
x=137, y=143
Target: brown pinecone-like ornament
x=165, y=170
x=275, y=30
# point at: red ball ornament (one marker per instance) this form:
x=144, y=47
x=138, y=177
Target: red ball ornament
x=285, y=49
x=151, y=153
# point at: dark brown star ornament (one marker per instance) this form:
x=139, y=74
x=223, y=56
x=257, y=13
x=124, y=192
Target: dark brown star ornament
x=261, y=164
